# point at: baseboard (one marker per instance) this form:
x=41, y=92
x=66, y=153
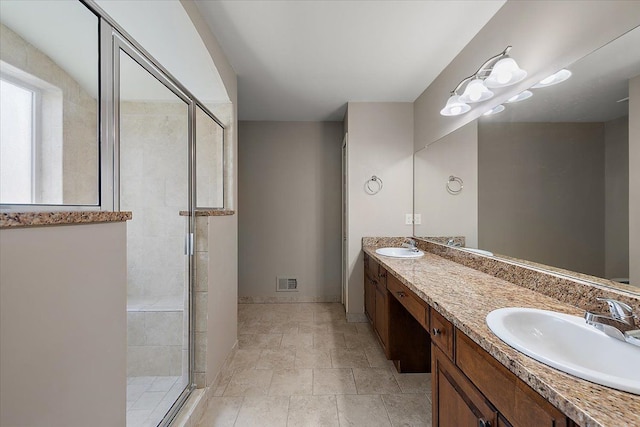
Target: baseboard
x=288, y=299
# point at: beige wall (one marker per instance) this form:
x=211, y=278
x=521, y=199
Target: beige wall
x=63, y=326
x=289, y=201
x=537, y=199
x=545, y=35
x=634, y=181
x=223, y=272
x=69, y=153
x=445, y=214
x=380, y=142
x=616, y=198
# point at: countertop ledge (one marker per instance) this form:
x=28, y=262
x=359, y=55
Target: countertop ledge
x=210, y=212
x=465, y=296
x=40, y=219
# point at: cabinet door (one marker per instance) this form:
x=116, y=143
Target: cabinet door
x=382, y=318
x=456, y=402
x=369, y=298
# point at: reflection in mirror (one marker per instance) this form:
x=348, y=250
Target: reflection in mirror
x=551, y=173
x=209, y=161
x=49, y=96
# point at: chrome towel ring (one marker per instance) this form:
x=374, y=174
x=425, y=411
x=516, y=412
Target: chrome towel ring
x=451, y=188
x=377, y=185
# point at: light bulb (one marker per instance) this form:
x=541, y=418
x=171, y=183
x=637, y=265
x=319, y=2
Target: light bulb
x=505, y=73
x=454, y=106
x=553, y=79
x=495, y=110
x=548, y=79
x=476, y=91
x=520, y=97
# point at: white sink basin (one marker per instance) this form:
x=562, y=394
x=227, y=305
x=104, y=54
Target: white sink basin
x=567, y=343
x=399, y=252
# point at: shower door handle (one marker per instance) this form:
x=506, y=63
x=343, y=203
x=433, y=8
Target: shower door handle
x=188, y=244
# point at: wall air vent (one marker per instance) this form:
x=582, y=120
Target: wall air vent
x=286, y=284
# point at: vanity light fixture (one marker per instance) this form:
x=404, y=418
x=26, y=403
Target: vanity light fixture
x=520, y=97
x=495, y=110
x=553, y=79
x=454, y=106
x=498, y=71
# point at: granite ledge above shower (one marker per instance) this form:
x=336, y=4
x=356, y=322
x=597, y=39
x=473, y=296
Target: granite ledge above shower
x=465, y=296
x=210, y=212
x=39, y=219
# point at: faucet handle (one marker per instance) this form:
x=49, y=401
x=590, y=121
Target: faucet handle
x=618, y=309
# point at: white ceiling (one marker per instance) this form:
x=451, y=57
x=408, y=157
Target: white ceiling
x=303, y=60
x=163, y=28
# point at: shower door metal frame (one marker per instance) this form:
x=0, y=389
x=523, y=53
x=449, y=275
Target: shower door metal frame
x=122, y=46
x=113, y=38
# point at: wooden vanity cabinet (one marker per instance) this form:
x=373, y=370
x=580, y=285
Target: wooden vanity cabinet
x=471, y=388
x=456, y=401
x=376, y=301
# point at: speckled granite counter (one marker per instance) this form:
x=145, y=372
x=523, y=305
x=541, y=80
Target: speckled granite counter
x=210, y=212
x=39, y=219
x=465, y=296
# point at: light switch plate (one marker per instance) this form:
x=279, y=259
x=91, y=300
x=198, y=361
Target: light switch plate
x=408, y=219
x=417, y=219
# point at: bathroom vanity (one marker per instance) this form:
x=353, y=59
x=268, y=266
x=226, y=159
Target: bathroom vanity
x=429, y=314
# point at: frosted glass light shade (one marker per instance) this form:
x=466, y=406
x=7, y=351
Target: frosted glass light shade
x=505, y=73
x=454, y=107
x=520, y=97
x=476, y=91
x=553, y=79
x=495, y=110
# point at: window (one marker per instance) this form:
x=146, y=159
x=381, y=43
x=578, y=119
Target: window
x=18, y=114
x=49, y=145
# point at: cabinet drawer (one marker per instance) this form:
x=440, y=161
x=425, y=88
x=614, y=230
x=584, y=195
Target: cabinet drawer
x=409, y=300
x=519, y=403
x=441, y=331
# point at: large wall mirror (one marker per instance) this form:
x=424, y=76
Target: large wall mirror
x=49, y=113
x=546, y=181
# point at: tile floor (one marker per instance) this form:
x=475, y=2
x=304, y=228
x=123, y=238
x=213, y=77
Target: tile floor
x=149, y=399
x=304, y=365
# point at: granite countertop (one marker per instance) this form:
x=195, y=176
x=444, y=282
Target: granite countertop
x=39, y=219
x=465, y=296
x=210, y=212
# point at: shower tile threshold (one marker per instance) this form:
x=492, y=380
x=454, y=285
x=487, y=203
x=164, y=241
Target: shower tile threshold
x=149, y=398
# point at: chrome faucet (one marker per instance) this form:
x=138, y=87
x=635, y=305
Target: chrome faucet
x=411, y=244
x=619, y=323
x=452, y=242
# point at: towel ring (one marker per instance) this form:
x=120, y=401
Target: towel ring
x=378, y=185
x=451, y=188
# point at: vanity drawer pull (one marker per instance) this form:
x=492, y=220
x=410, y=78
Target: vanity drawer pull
x=442, y=333
x=483, y=423
x=401, y=294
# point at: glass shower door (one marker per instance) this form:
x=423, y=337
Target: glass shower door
x=154, y=176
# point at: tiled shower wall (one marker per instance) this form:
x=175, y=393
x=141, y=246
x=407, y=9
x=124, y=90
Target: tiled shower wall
x=154, y=186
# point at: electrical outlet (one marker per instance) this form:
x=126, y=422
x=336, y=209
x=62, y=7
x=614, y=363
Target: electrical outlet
x=408, y=219
x=417, y=219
